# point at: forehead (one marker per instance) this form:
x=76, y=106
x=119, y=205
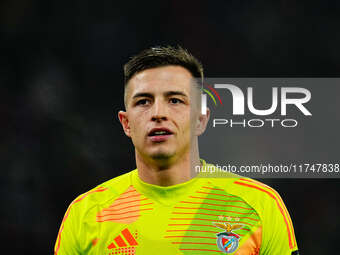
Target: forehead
x=160, y=79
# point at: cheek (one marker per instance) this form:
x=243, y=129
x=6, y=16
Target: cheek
x=186, y=125
x=135, y=126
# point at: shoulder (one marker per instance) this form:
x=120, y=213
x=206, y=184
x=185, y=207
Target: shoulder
x=101, y=194
x=277, y=226
x=258, y=195
x=255, y=193
x=258, y=189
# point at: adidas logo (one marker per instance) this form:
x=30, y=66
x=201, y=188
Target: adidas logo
x=125, y=243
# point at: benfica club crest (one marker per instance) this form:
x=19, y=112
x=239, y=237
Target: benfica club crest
x=227, y=241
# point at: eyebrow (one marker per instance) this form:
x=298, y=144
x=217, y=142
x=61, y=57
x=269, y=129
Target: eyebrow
x=168, y=93
x=142, y=95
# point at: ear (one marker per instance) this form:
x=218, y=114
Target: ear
x=123, y=118
x=202, y=122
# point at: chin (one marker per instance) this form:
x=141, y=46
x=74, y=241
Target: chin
x=161, y=154
x=163, y=159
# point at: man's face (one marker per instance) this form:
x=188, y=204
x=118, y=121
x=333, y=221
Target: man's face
x=162, y=117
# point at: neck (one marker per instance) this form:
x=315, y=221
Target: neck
x=169, y=173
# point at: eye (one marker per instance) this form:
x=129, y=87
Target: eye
x=175, y=101
x=143, y=102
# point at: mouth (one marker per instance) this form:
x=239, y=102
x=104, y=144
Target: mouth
x=159, y=134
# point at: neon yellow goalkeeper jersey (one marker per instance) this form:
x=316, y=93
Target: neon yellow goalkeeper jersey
x=203, y=216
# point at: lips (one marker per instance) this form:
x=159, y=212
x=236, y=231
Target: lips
x=160, y=134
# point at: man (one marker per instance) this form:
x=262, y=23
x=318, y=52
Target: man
x=162, y=207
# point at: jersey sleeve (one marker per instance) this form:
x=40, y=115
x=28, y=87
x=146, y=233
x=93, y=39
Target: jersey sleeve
x=278, y=232
x=67, y=236
x=72, y=237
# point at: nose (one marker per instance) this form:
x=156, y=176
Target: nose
x=159, y=111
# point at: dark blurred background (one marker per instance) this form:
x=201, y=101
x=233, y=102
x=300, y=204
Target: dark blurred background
x=62, y=84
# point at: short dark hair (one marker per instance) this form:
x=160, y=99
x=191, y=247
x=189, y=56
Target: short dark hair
x=162, y=56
